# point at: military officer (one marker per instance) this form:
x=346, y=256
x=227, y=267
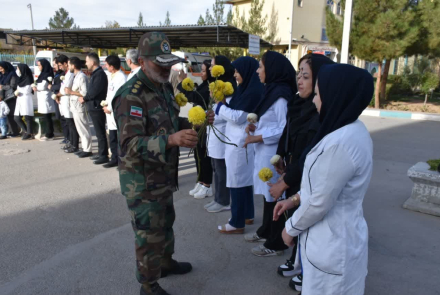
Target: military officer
x=150, y=133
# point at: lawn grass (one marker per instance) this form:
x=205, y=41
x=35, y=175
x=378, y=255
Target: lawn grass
x=433, y=164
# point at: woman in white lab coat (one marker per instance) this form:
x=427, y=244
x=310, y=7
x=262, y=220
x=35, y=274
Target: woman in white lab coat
x=333, y=234
x=279, y=76
x=25, y=106
x=44, y=95
x=239, y=167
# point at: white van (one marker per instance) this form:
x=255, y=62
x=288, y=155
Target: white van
x=51, y=54
x=194, y=66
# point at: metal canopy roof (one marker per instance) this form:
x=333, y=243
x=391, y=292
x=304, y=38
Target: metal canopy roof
x=179, y=36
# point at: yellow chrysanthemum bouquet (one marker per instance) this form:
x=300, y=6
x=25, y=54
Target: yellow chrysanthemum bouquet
x=219, y=90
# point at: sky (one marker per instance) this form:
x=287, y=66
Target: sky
x=93, y=13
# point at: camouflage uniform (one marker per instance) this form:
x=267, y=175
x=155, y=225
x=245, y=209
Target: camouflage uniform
x=145, y=116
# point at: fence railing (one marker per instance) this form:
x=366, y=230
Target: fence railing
x=21, y=58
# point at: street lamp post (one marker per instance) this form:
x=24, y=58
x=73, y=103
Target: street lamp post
x=291, y=31
x=346, y=32
x=32, y=22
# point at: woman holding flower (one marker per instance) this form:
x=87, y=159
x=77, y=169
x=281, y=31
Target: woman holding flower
x=25, y=106
x=8, y=85
x=200, y=97
x=239, y=163
x=278, y=75
x=44, y=95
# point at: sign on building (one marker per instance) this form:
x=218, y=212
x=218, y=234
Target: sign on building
x=254, y=44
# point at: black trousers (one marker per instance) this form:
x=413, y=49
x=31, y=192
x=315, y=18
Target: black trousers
x=73, y=133
x=113, y=140
x=99, y=119
x=25, y=127
x=49, y=130
x=272, y=230
x=65, y=127
x=14, y=127
x=203, y=164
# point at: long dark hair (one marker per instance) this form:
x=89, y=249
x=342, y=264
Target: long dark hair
x=207, y=64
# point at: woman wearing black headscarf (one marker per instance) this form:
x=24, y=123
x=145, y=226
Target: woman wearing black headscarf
x=333, y=234
x=8, y=85
x=46, y=104
x=202, y=188
x=25, y=106
x=278, y=74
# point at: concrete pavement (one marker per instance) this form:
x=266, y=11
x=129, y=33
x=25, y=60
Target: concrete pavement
x=65, y=229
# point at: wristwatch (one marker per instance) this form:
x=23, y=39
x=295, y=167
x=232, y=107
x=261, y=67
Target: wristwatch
x=295, y=200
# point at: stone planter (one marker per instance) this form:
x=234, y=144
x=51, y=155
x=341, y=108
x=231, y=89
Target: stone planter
x=425, y=195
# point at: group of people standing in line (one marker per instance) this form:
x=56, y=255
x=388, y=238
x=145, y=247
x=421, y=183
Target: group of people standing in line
x=64, y=90
x=313, y=202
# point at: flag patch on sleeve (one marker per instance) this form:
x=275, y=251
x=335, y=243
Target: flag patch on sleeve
x=136, y=112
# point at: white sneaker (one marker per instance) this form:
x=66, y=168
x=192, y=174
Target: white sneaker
x=209, y=205
x=217, y=208
x=203, y=192
x=195, y=189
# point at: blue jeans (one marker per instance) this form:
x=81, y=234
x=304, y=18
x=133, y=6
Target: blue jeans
x=242, y=205
x=4, y=125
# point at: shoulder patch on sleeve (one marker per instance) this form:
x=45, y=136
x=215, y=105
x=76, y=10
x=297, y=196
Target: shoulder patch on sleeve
x=136, y=112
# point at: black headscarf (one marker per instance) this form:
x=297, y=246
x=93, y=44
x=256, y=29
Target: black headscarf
x=248, y=93
x=9, y=72
x=228, y=76
x=280, y=81
x=26, y=77
x=46, y=72
x=345, y=92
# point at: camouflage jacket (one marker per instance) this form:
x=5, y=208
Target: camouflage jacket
x=145, y=117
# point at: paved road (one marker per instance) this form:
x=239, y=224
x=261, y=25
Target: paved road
x=64, y=227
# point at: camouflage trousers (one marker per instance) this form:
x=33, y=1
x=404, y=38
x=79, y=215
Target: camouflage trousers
x=152, y=222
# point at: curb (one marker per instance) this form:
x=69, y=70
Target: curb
x=401, y=115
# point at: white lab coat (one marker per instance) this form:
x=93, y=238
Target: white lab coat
x=133, y=72
x=46, y=105
x=115, y=81
x=239, y=171
x=216, y=148
x=25, y=104
x=270, y=126
x=330, y=221
x=65, y=99
x=79, y=85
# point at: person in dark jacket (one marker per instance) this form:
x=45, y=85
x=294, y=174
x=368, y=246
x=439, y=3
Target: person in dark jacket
x=203, y=161
x=97, y=92
x=302, y=126
x=8, y=85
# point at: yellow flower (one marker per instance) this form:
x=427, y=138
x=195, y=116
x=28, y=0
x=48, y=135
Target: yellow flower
x=217, y=71
x=265, y=174
x=188, y=84
x=228, y=90
x=181, y=99
x=219, y=96
x=196, y=116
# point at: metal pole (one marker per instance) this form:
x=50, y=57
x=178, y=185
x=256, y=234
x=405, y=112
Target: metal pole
x=291, y=31
x=32, y=22
x=346, y=32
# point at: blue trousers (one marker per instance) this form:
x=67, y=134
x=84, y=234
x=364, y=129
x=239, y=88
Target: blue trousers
x=4, y=126
x=242, y=205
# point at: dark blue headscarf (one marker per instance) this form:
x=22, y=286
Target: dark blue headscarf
x=46, y=72
x=248, y=93
x=280, y=81
x=9, y=72
x=345, y=92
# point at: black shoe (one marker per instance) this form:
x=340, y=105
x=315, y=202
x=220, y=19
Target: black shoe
x=3, y=137
x=176, y=268
x=78, y=152
x=71, y=150
x=101, y=160
x=95, y=157
x=66, y=147
x=13, y=135
x=155, y=290
x=296, y=283
x=111, y=164
x=288, y=270
x=84, y=154
x=27, y=137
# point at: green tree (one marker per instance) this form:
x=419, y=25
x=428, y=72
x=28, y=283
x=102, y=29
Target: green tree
x=140, y=21
x=201, y=21
x=430, y=82
x=272, y=28
x=218, y=10
x=256, y=23
x=61, y=20
x=112, y=24
x=429, y=12
x=167, y=21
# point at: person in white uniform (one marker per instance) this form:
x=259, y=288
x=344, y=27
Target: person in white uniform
x=79, y=89
x=131, y=57
x=116, y=78
x=239, y=167
x=279, y=77
x=44, y=95
x=333, y=234
x=25, y=105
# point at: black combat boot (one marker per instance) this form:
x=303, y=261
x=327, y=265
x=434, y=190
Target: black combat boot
x=171, y=266
x=155, y=289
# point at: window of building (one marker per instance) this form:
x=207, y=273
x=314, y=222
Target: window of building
x=330, y=4
x=324, y=35
x=338, y=9
x=300, y=3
